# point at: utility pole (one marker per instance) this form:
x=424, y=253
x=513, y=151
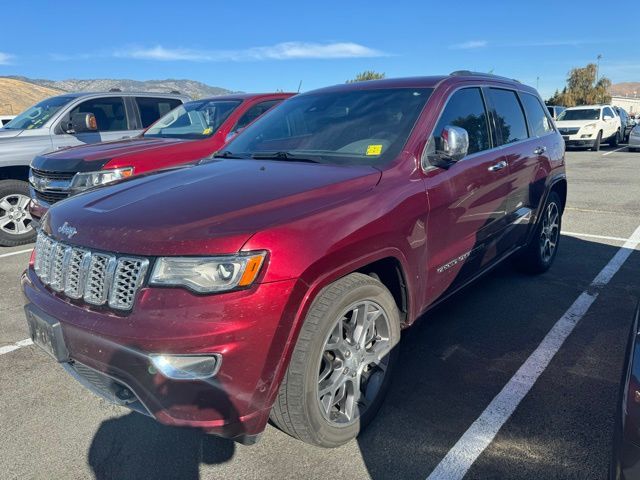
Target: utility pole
x=537, y=83
x=598, y=69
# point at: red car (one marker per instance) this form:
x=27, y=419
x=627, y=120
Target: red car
x=274, y=280
x=190, y=132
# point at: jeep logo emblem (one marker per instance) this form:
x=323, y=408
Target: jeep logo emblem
x=68, y=230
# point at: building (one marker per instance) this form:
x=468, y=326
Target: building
x=630, y=104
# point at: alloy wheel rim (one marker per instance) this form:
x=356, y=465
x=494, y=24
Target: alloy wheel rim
x=550, y=231
x=353, y=363
x=15, y=218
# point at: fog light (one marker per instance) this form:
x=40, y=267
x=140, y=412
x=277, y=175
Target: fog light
x=187, y=367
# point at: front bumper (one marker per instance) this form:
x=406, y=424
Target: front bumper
x=634, y=141
x=577, y=140
x=250, y=329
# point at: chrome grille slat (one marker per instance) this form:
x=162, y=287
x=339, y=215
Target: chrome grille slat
x=97, y=278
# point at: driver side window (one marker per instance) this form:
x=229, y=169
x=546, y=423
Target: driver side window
x=466, y=109
x=110, y=113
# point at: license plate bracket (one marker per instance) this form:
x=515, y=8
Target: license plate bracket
x=46, y=332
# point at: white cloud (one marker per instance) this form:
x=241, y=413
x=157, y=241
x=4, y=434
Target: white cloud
x=471, y=44
x=5, y=58
x=280, y=51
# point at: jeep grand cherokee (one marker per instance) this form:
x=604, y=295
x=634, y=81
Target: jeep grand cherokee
x=273, y=281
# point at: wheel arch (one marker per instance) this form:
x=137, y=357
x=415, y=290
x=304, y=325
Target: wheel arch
x=15, y=172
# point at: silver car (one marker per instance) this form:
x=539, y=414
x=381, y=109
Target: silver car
x=56, y=123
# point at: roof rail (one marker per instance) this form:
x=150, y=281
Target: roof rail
x=469, y=73
x=115, y=90
x=177, y=92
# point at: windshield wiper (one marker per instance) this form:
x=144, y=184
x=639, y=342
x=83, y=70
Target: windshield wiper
x=282, y=156
x=227, y=154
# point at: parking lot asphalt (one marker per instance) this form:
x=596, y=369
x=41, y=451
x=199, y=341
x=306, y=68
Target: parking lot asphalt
x=452, y=364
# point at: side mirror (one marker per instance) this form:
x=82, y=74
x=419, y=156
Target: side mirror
x=454, y=144
x=83, y=122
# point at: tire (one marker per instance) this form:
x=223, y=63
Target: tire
x=301, y=409
x=597, y=142
x=15, y=221
x=538, y=256
x=615, y=140
x=631, y=149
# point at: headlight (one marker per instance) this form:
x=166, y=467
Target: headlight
x=82, y=181
x=208, y=274
x=589, y=127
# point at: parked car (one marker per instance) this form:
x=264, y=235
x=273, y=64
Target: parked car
x=60, y=122
x=190, y=132
x=626, y=123
x=634, y=139
x=625, y=464
x=4, y=119
x=589, y=126
x=273, y=280
x=555, y=110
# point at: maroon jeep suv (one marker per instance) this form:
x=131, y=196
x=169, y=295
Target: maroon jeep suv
x=273, y=280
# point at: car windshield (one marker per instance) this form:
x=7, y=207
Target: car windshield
x=37, y=116
x=193, y=120
x=355, y=127
x=580, y=114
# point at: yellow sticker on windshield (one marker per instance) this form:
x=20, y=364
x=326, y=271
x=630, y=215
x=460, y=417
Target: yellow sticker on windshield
x=374, y=149
x=207, y=131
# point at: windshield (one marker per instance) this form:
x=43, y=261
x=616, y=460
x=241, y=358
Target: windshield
x=356, y=127
x=580, y=114
x=36, y=116
x=193, y=120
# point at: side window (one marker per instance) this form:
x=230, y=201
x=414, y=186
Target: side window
x=151, y=109
x=465, y=109
x=109, y=112
x=608, y=111
x=538, y=120
x=508, y=116
x=254, y=112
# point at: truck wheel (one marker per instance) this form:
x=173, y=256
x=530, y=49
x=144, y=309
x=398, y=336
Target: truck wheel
x=342, y=363
x=539, y=254
x=615, y=140
x=596, y=142
x=15, y=220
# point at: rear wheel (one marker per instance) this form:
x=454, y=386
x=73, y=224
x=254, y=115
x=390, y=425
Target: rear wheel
x=15, y=221
x=615, y=140
x=596, y=143
x=539, y=254
x=342, y=363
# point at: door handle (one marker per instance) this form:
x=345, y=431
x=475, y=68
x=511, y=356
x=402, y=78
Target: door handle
x=125, y=137
x=540, y=150
x=497, y=166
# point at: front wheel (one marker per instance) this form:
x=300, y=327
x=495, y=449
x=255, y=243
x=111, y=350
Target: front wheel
x=342, y=363
x=15, y=221
x=596, y=143
x=615, y=140
x=539, y=254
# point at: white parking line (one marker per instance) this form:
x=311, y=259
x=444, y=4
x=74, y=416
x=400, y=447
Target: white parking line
x=481, y=433
x=613, y=151
x=10, y=254
x=590, y=235
x=15, y=346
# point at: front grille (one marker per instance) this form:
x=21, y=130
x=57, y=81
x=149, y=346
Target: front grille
x=568, y=131
x=50, y=196
x=98, y=278
x=53, y=175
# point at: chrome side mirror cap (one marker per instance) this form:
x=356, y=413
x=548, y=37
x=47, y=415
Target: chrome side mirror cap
x=454, y=143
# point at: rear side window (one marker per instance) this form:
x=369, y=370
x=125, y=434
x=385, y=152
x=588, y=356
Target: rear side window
x=151, y=109
x=538, y=120
x=508, y=116
x=608, y=111
x=254, y=112
x=109, y=112
x=465, y=109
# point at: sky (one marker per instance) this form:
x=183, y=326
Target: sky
x=263, y=46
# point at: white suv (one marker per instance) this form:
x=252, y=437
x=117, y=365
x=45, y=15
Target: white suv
x=589, y=126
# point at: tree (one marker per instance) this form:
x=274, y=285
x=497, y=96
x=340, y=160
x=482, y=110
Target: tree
x=582, y=88
x=367, y=75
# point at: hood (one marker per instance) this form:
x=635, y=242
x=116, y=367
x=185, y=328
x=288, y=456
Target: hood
x=86, y=158
x=9, y=133
x=206, y=209
x=574, y=123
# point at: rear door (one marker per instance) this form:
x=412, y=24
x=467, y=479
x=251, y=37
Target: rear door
x=467, y=202
x=150, y=109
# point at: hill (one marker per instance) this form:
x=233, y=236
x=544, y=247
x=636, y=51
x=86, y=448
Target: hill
x=627, y=89
x=188, y=87
x=16, y=95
